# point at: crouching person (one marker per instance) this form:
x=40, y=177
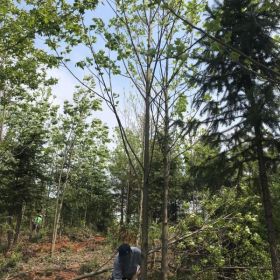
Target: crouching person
x=127, y=263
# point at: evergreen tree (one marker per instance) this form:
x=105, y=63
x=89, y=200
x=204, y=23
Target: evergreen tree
x=238, y=92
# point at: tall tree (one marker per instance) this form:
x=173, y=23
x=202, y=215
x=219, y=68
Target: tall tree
x=23, y=153
x=22, y=64
x=89, y=181
x=67, y=135
x=126, y=184
x=152, y=55
x=137, y=41
x=239, y=97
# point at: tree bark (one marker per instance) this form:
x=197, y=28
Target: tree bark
x=145, y=203
x=85, y=217
x=122, y=206
x=166, y=165
x=18, y=223
x=30, y=220
x=145, y=222
x=10, y=232
x=57, y=218
x=60, y=197
x=3, y=112
x=139, y=238
x=128, y=203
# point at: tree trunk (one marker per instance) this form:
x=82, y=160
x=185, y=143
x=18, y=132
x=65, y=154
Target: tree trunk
x=166, y=165
x=58, y=209
x=61, y=190
x=128, y=195
x=267, y=205
x=164, y=249
x=85, y=217
x=55, y=225
x=139, y=234
x=30, y=226
x=60, y=224
x=1, y=130
x=145, y=203
x=57, y=218
x=122, y=206
x=1, y=235
x=3, y=113
x=10, y=232
x=145, y=222
x=18, y=223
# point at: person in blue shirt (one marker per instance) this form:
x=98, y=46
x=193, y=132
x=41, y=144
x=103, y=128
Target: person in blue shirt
x=127, y=263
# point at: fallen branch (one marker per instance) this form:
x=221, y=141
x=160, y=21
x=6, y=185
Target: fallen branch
x=185, y=236
x=228, y=268
x=93, y=273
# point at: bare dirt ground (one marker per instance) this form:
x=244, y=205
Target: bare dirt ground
x=72, y=258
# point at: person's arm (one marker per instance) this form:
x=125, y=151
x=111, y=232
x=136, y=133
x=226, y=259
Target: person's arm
x=117, y=273
x=137, y=274
x=138, y=260
x=139, y=257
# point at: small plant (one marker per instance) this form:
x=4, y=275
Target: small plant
x=13, y=260
x=3, y=248
x=88, y=267
x=8, y=263
x=77, y=234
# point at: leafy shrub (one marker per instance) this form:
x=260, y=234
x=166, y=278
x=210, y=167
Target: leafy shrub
x=9, y=262
x=78, y=234
x=88, y=267
x=223, y=239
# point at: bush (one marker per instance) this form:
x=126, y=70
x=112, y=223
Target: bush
x=230, y=237
x=125, y=234
x=9, y=262
x=88, y=267
x=78, y=234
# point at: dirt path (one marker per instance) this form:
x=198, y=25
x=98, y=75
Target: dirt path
x=72, y=258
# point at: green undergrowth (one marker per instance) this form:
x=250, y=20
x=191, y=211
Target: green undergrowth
x=9, y=262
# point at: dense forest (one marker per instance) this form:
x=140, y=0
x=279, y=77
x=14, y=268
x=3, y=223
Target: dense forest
x=184, y=162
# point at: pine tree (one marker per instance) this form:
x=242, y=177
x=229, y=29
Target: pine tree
x=238, y=93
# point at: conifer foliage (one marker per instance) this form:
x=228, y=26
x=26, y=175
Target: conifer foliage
x=239, y=96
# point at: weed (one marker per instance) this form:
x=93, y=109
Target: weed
x=8, y=263
x=88, y=267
